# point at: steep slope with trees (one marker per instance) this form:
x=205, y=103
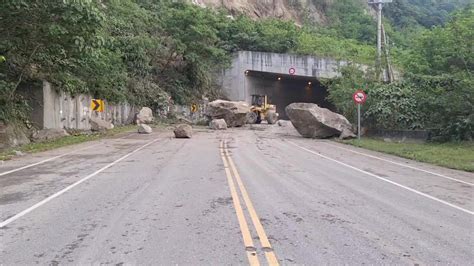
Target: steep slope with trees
x=145, y=51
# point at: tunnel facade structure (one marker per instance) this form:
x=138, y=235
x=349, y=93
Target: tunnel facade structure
x=284, y=78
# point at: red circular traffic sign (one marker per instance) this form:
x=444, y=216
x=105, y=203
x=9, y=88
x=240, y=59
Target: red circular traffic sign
x=359, y=97
x=292, y=70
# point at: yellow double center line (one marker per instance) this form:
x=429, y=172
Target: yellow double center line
x=231, y=172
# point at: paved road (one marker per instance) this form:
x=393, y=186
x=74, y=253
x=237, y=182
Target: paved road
x=232, y=197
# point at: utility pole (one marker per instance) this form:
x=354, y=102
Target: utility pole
x=379, y=34
x=379, y=6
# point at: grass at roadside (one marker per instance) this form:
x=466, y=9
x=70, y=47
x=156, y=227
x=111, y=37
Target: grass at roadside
x=457, y=155
x=61, y=142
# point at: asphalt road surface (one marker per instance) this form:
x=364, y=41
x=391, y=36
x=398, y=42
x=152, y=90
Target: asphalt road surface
x=241, y=196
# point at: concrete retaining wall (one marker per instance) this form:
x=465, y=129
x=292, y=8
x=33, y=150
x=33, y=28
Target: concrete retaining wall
x=58, y=109
x=400, y=135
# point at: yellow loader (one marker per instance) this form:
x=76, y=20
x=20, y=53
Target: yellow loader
x=262, y=110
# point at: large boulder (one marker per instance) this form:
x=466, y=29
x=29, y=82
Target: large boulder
x=347, y=134
x=98, y=124
x=218, y=124
x=312, y=121
x=145, y=116
x=49, y=134
x=144, y=129
x=183, y=131
x=12, y=136
x=234, y=113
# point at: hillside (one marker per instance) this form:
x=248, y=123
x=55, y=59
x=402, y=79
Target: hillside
x=401, y=13
x=425, y=13
x=146, y=51
x=300, y=11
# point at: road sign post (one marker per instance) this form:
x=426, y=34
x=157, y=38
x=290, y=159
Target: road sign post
x=359, y=98
x=358, y=121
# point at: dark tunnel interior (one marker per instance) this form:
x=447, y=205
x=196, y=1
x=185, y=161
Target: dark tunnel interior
x=283, y=90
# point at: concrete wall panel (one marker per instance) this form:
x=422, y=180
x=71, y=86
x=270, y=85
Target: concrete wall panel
x=237, y=87
x=62, y=110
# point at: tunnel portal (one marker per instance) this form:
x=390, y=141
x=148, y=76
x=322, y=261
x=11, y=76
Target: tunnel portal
x=283, y=90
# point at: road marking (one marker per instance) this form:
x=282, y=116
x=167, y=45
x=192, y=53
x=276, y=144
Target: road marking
x=43, y=161
x=403, y=165
x=52, y=158
x=244, y=228
x=59, y=193
x=267, y=247
x=386, y=180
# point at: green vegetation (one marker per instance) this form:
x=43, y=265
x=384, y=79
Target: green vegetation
x=459, y=155
x=326, y=45
x=145, y=51
x=425, y=13
x=150, y=52
x=64, y=141
x=350, y=19
x=436, y=92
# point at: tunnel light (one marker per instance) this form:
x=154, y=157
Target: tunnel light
x=309, y=82
x=279, y=78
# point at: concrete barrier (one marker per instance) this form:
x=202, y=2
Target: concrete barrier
x=57, y=109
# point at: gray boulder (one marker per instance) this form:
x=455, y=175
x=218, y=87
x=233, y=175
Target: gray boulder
x=218, y=124
x=12, y=136
x=98, y=124
x=312, y=121
x=347, y=134
x=48, y=134
x=145, y=116
x=234, y=113
x=144, y=129
x=284, y=123
x=183, y=131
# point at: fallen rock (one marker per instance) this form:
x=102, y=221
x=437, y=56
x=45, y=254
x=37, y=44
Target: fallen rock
x=12, y=136
x=284, y=123
x=347, y=134
x=145, y=116
x=144, y=129
x=49, y=134
x=218, y=124
x=183, y=131
x=234, y=113
x=312, y=121
x=18, y=153
x=98, y=124
x=272, y=117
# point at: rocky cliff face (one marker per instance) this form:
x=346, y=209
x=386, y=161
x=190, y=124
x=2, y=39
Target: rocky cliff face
x=296, y=10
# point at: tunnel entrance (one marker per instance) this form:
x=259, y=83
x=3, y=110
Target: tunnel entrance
x=283, y=90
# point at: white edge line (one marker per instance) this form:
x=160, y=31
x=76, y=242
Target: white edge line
x=51, y=159
x=43, y=161
x=400, y=164
x=386, y=180
x=57, y=194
